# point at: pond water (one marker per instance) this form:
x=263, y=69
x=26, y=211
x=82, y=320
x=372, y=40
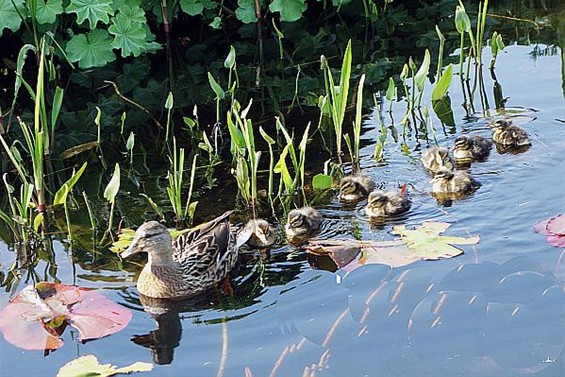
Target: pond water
x=497, y=310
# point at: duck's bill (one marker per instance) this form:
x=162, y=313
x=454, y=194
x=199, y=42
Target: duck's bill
x=127, y=252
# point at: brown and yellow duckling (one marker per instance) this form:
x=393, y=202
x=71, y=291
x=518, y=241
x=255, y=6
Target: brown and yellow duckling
x=257, y=233
x=448, y=181
x=189, y=264
x=302, y=223
x=508, y=135
x=355, y=187
x=388, y=203
x=435, y=158
x=471, y=148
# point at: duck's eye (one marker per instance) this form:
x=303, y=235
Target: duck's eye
x=297, y=221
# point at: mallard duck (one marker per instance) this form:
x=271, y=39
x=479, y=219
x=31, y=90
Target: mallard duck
x=508, y=135
x=189, y=264
x=257, y=233
x=436, y=158
x=355, y=187
x=388, y=203
x=469, y=148
x=448, y=181
x=302, y=222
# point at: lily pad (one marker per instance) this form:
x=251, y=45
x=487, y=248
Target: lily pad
x=426, y=242
x=554, y=229
x=34, y=319
x=89, y=366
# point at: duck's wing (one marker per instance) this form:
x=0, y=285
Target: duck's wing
x=205, y=248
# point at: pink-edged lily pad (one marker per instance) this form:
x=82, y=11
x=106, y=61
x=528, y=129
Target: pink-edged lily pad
x=34, y=319
x=554, y=229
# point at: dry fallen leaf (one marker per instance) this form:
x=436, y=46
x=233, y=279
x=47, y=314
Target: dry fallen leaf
x=88, y=365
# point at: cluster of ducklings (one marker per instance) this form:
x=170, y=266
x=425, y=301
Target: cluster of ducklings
x=439, y=161
x=450, y=181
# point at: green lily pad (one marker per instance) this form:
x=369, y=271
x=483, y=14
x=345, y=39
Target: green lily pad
x=89, y=366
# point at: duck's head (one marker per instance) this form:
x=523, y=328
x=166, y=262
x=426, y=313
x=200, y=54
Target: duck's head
x=296, y=219
x=462, y=142
x=261, y=233
x=151, y=237
x=377, y=199
x=444, y=173
x=501, y=125
x=348, y=186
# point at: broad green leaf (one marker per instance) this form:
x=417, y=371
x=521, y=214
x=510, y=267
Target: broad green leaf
x=390, y=89
x=9, y=17
x=425, y=240
x=93, y=10
x=442, y=108
x=61, y=194
x=322, y=181
x=56, y=108
x=443, y=84
x=290, y=10
x=245, y=11
x=230, y=59
x=113, y=186
x=420, y=77
x=129, y=36
x=282, y=169
x=93, y=49
x=47, y=11
x=133, y=12
x=216, y=87
x=192, y=7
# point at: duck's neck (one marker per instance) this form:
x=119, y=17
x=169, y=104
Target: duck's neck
x=161, y=258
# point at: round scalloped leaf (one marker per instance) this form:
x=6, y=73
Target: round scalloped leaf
x=88, y=365
x=9, y=17
x=129, y=36
x=92, y=49
x=290, y=10
x=93, y=10
x=245, y=11
x=47, y=11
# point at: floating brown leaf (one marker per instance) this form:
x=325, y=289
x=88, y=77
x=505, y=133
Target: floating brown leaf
x=422, y=243
x=35, y=318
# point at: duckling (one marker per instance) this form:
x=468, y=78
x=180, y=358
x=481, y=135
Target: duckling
x=355, y=187
x=187, y=265
x=469, y=148
x=257, y=233
x=388, y=203
x=508, y=135
x=447, y=181
x=435, y=158
x=302, y=222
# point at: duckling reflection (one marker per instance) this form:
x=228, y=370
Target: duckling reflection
x=467, y=149
x=163, y=340
x=355, y=187
x=435, y=158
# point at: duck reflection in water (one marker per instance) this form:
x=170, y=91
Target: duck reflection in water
x=163, y=340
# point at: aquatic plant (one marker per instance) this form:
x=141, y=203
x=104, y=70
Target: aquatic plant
x=337, y=96
x=174, y=190
x=110, y=194
x=62, y=194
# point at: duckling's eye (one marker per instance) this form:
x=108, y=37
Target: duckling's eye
x=297, y=221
